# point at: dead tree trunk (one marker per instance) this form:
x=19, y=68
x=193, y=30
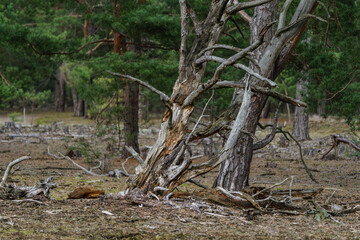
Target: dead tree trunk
x=301, y=118
x=168, y=164
x=60, y=90
x=234, y=172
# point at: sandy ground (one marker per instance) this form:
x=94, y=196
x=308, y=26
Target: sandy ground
x=148, y=218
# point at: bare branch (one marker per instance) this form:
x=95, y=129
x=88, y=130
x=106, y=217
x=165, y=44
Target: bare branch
x=194, y=19
x=220, y=46
x=238, y=27
x=269, y=137
x=6, y=81
x=8, y=168
x=283, y=13
x=62, y=156
x=201, y=116
x=135, y=155
x=244, y=5
x=228, y=34
x=256, y=89
x=344, y=88
x=268, y=188
x=236, y=65
x=242, y=196
x=162, y=95
x=299, y=21
x=245, y=16
x=72, y=52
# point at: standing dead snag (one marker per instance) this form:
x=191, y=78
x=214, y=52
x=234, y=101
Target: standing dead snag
x=167, y=164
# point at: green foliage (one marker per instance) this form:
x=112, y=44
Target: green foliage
x=14, y=116
x=331, y=62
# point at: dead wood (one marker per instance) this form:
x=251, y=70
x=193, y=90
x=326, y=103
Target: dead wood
x=16, y=192
x=85, y=192
x=339, y=139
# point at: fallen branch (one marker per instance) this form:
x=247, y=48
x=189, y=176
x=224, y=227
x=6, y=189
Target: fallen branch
x=339, y=139
x=15, y=192
x=268, y=188
x=62, y=156
x=31, y=200
x=11, y=164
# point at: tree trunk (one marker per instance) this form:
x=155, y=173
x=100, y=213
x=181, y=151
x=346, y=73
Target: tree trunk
x=131, y=93
x=272, y=56
x=234, y=171
x=301, y=118
x=78, y=104
x=60, y=90
x=131, y=116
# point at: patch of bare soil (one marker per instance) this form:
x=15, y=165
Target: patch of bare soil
x=148, y=218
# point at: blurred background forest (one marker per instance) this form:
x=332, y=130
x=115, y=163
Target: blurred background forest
x=54, y=56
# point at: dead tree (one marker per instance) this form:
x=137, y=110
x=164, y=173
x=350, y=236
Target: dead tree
x=168, y=164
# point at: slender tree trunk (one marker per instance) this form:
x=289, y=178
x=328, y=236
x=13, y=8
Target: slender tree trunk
x=301, y=118
x=131, y=116
x=60, y=90
x=79, y=105
x=131, y=94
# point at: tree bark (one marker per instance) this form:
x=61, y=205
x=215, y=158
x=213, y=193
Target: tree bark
x=301, y=118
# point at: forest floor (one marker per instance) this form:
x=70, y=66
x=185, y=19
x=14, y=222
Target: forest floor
x=111, y=218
